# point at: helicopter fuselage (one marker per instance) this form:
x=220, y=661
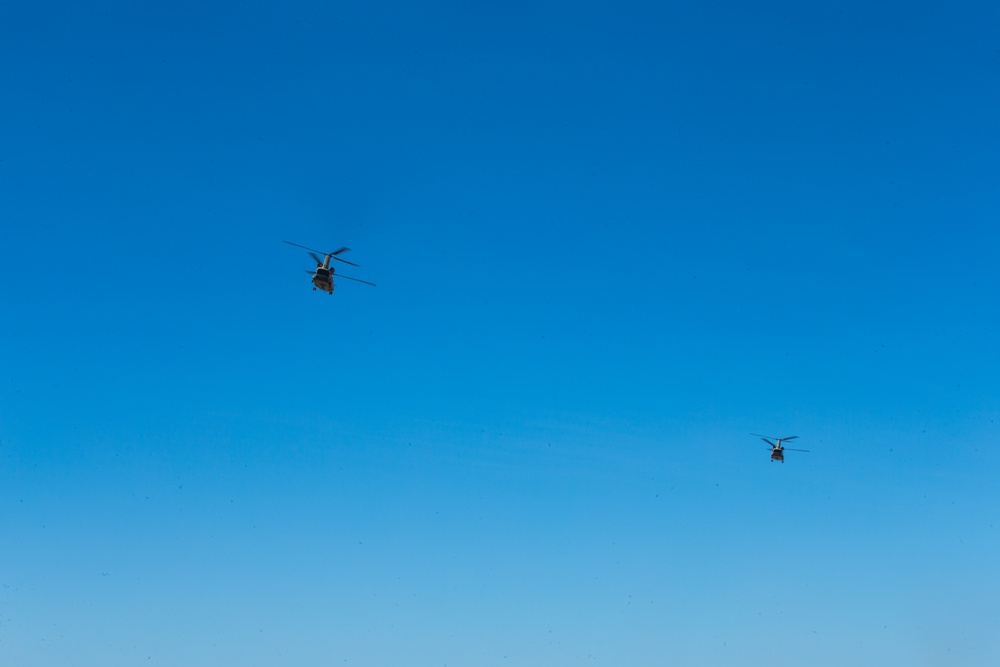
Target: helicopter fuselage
x=323, y=279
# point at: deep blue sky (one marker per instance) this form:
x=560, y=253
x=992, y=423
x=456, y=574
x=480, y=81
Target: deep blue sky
x=609, y=242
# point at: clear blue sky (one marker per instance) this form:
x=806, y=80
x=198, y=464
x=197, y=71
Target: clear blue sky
x=610, y=241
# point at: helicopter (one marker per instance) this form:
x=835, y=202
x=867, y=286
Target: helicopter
x=322, y=276
x=777, y=451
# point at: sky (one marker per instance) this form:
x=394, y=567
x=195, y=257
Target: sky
x=610, y=241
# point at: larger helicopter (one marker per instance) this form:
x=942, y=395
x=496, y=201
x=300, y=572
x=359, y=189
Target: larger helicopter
x=322, y=275
x=777, y=450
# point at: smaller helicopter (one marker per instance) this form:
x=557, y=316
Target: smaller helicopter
x=323, y=274
x=777, y=451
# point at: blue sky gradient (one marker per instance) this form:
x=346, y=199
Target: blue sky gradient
x=610, y=241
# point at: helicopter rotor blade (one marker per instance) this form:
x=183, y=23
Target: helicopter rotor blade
x=334, y=256
x=768, y=441
x=304, y=248
x=319, y=262
x=331, y=254
x=789, y=449
x=358, y=280
x=791, y=437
